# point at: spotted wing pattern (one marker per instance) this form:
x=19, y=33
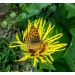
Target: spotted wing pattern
x=33, y=35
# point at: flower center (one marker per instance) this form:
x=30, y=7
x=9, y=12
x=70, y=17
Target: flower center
x=33, y=41
x=34, y=47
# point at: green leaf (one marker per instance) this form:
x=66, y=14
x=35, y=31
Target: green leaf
x=70, y=54
x=70, y=8
x=7, y=69
x=45, y=67
x=32, y=8
x=4, y=24
x=61, y=65
x=13, y=14
x=67, y=20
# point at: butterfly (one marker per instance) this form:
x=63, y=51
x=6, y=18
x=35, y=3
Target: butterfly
x=33, y=41
x=33, y=35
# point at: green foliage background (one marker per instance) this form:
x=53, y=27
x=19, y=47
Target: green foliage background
x=13, y=18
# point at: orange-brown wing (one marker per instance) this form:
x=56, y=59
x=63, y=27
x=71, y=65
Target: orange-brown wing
x=33, y=35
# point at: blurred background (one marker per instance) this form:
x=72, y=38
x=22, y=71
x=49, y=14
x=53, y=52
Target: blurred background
x=14, y=18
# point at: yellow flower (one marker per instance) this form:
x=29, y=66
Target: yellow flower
x=37, y=44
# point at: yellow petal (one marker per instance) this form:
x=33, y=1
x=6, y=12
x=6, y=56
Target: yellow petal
x=53, y=48
x=37, y=53
x=24, y=34
x=23, y=48
x=36, y=22
x=31, y=56
x=44, y=24
x=15, y=44
x=42, y=60
x=17, y=37
x=40, y=28
x=29, y=26
x=53, y=38
x=35, y=61
x=59, y=46
x=47, y=32
x=55, y=42
x=51, y=57
x=48, y=60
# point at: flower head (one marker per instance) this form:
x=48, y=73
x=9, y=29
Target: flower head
x=37, y=44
